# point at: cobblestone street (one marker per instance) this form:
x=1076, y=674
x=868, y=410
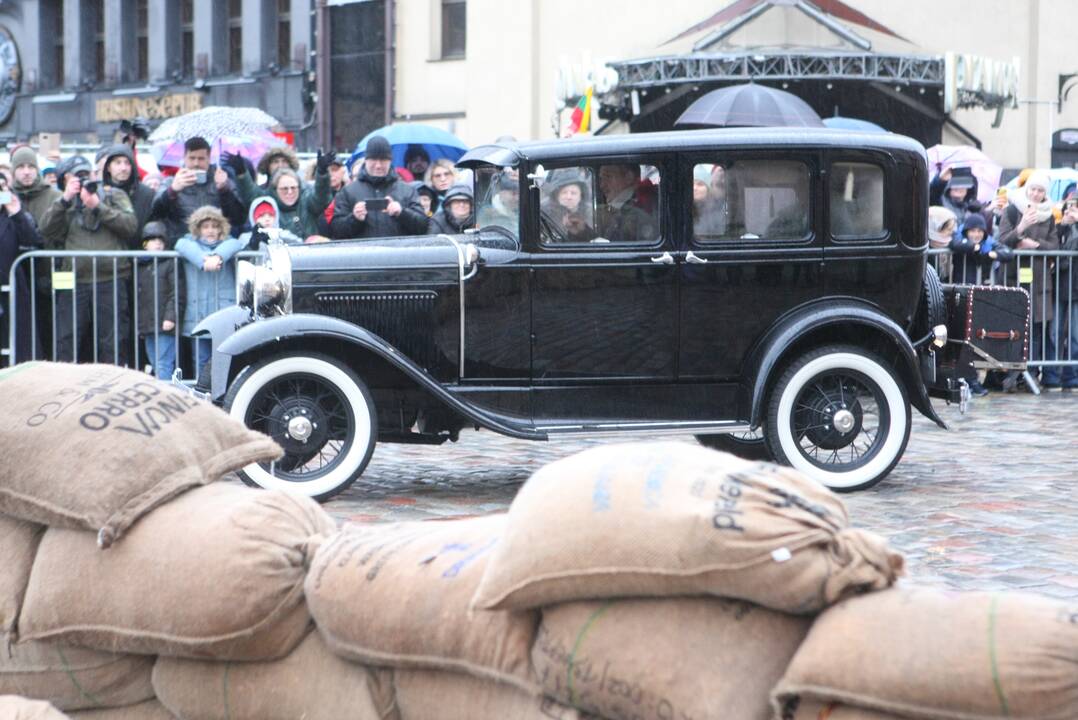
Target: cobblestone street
x=992, y=503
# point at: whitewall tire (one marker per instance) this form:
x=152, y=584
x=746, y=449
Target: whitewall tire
x=318, y=410
x=840, y=415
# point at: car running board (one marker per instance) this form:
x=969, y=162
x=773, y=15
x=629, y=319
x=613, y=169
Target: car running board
x=653, y=427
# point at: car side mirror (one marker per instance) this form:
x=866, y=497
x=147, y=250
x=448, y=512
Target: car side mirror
x=538, y=177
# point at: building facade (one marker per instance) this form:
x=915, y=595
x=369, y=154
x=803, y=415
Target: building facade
x=333, y=70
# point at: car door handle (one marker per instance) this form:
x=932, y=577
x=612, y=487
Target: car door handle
x=664, y=259
x=691, y=257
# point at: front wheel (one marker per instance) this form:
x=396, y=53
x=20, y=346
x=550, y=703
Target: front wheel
x=318, y=410
x=839, y=415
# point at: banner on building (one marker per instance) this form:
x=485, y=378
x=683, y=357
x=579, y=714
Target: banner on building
x=155, y=107
x=974, y=81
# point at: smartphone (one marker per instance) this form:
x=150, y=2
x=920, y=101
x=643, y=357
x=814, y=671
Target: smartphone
x=5, y=197
x=377, y=204
x=200, y=176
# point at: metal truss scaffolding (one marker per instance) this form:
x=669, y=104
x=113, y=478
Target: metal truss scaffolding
x=766, y=65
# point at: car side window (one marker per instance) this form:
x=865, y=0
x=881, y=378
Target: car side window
x=856, y=200
x=600, y=204
x=749, y=200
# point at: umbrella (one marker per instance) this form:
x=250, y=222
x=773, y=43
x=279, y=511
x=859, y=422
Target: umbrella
x=749, y=105
x=847, y=123
x=239, y=130
x=437, y=142
x=987, y=172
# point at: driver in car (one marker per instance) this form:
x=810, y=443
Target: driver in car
x=620, y=217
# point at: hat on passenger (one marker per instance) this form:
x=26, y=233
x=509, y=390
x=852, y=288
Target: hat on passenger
x=23, y=155
x=974, y=221
x=378, y=148
x=262, y=208
x=457, y=192
x=702, y=173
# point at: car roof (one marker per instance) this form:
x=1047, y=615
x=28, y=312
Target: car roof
x=510, y=154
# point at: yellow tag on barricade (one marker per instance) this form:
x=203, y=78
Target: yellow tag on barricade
x=1025, y=275
x=63, y=280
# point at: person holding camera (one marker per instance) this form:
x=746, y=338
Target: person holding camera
x=197, y=184
x=91, y=216
x=378, y=203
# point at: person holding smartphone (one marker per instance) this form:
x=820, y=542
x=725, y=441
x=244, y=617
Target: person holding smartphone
x=197, y=184
x=378, y=203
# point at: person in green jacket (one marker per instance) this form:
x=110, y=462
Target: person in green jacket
x=300, y=205
x=91, y=216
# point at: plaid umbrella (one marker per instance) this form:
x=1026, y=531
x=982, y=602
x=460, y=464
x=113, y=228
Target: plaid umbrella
x=240, y=130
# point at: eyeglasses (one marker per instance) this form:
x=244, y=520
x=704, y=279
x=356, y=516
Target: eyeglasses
x=442, y=174
x=287, y=188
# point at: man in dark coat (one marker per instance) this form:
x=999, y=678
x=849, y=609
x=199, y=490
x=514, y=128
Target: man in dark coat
x=195, y=185
x=18, y=233
x=621, y=217
x=402, y=215
x=120, y=171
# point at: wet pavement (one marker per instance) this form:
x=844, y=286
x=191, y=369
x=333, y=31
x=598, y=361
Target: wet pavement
x=990, y=504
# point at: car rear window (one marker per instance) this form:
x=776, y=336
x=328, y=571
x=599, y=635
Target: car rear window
x=750, y=200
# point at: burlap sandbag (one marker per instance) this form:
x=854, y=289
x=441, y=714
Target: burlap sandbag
x=310, y=683
x=216, y=573
x=149, y=710
x=73, y=678
x=18, y=543
x=13, y=707
x=665, y=519
x=98, y=446
x=430, y=694
x=398, y=595
x=670, y=658
x=812, y=710
x=923, y=653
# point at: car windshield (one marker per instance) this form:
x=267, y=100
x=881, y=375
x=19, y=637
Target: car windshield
x=497, y=192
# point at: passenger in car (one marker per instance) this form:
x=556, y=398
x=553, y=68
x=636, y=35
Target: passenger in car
x=620, y=219
x=566, y=206
x=710, y=214
x=504, y=208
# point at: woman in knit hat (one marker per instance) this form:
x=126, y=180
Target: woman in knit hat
x=1028, y=224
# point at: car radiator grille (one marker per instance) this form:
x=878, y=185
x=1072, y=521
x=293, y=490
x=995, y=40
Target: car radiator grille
x=403, y=319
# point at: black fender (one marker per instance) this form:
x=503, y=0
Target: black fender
x=264, y=333
x=764, y=359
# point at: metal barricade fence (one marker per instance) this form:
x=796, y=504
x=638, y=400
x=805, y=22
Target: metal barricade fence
x=65, y=305
x=1051, y=277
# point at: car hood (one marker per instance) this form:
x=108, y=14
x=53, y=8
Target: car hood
x=420, y=251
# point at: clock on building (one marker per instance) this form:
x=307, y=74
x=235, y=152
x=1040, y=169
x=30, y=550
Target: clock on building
x=10, y=74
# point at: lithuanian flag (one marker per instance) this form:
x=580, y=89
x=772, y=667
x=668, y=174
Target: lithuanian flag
x=581, y=117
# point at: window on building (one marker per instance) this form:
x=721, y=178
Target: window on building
x=454, y=28
x=142, y=32
x=57, y=75
x=97, y=17
x=235, y=36
x=187, y=37
x=284, y=34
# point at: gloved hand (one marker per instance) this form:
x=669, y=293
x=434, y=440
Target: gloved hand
x=324, y=160
x=234, y=161
x=258, y=236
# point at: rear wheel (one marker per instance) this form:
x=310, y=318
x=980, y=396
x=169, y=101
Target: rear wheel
x=839, y=415
x=749, y=445
x=318, y=410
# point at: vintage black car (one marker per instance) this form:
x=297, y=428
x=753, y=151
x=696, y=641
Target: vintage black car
x=763, y=289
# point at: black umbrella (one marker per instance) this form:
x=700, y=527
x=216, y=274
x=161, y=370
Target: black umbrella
x=750, y=105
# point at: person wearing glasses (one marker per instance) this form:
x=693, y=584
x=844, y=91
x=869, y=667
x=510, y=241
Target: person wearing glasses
x=299, y=205
x=441, y=176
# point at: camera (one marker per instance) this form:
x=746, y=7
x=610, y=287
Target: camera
x=90, y=186
x=136, y=127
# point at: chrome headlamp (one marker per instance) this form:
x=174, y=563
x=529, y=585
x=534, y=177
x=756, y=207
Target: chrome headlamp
x=267, y=288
